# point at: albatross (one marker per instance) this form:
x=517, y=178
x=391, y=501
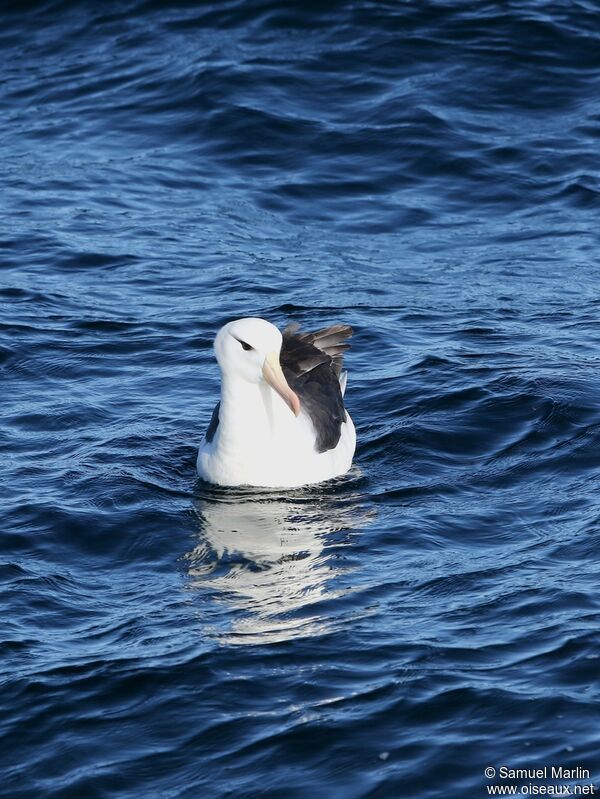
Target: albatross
x=281, y=420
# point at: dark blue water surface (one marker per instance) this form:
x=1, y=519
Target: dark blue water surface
x=425, y=171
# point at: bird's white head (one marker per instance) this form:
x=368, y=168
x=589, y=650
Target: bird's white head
x=249, y=349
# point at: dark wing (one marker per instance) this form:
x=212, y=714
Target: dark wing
x=312, y=364
x=213, y=424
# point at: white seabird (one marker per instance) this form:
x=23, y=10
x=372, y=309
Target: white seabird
x=281, y=420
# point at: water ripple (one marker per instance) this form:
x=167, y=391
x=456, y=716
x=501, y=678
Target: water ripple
x=424, y=172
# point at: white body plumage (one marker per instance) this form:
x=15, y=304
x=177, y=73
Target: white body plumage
x=264, y=436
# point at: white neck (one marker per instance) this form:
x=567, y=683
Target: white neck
x=259, y=441
x=246, y=412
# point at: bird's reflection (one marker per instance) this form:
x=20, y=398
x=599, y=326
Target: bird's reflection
x=274, y=558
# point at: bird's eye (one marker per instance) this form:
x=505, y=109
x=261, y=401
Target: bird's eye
x=246, y=346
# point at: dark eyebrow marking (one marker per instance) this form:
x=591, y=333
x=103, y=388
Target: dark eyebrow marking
x=245, y=345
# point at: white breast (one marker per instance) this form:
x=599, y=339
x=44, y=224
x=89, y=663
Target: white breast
x=260, y=442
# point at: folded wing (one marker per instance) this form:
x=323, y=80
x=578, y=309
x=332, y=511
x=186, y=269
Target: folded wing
x=312, y=365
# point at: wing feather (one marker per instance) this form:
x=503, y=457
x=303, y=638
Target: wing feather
x=312, y=364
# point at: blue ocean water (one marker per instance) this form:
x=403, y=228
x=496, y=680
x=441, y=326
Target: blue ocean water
x=424, y=171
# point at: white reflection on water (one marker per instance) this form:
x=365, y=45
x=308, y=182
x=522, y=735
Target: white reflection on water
x=270, y=558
